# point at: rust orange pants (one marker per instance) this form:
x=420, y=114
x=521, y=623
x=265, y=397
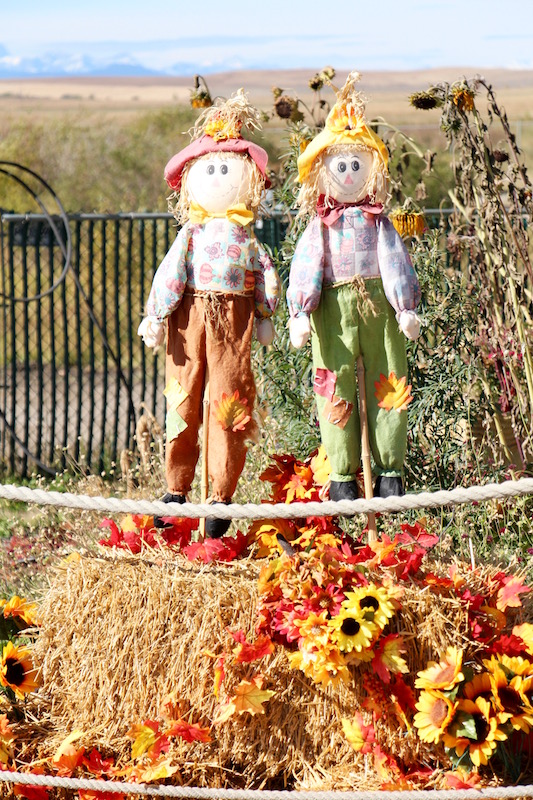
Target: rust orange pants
x=209, y=334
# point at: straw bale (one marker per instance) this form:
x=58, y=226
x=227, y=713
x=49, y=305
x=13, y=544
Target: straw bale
x=119, y=634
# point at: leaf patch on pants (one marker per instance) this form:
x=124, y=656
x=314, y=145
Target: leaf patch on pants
x=175, y=424
x=337, y=411
x=324, y=383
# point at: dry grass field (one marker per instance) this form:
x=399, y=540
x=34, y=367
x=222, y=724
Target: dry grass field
x=121, y=100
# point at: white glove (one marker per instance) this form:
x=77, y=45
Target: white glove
x=409, y=323
x=264, y=331
x=299, y=330
x=152, y=332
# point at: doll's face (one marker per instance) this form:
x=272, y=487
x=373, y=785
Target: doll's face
x=218, y=181
x=345, y=174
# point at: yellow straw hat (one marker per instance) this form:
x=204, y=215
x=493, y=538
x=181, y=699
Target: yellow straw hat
x=345, y=124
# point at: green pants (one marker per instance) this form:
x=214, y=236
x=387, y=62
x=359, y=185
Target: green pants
x=340, y=333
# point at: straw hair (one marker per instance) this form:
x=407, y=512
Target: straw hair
x=119, y=634
x=230, y=116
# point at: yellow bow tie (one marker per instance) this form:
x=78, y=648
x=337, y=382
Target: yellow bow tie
x=238, y=214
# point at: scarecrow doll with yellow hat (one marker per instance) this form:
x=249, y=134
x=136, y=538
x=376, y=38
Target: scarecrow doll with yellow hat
x=353, y=289
x=215, y=280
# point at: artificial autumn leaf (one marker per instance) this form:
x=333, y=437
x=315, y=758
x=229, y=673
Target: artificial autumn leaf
x=153, y=772
x=67, y=757
x=95, y=794
x=359, y=735
x=31, y=792
x=175, y=393
x=97, y=764
x=525, y=633
x=232, y=412
x=387, y=657
x=7, y=737
x=246, y=652
x=300, y=484
x=148, y=740
x=392, y=392
x=207, y=551
x=173, y=706
x=507, y=596
x=321, y=466
x=462, y=780
x=189, y=731
x=248, y=698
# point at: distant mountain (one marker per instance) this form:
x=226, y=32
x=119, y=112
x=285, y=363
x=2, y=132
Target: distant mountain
x=69, y=65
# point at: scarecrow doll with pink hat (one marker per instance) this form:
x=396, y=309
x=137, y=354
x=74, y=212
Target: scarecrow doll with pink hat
x=353, y=289
x=214, y=283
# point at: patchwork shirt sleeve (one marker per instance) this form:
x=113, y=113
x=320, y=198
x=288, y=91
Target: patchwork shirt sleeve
x=267, y=285
x=400, y=283
x=307, y=271
x=170, y=279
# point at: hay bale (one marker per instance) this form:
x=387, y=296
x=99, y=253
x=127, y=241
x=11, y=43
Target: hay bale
x=120, y=634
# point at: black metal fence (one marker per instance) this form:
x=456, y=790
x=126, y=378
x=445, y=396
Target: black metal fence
x=74, y=375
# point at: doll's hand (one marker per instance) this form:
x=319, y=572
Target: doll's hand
x=264, y=331
x=152, y=332
x=409, y=323
x=299, y=330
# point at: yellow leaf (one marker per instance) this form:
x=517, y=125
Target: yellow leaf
x=144, y=738
x=175, y=393
x=249, y=698
x=155, y=772
x=232, y=412
x=392, y=392
x=321, y=466
x=64, y=747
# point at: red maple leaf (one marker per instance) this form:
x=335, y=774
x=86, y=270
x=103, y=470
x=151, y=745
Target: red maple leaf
x=206, y=551
x=97, y=764
x=508, y=594
x=247, y=652
x=189, y=731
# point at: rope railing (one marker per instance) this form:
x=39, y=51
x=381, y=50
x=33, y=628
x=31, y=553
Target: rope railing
x=389, y=505
x=95, y=785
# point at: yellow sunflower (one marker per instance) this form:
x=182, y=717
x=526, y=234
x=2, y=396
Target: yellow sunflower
x=371, y=602
x=20, y=607
x=475, y=728
x=435, y=711
x=509, y=700
x=510, y=664
x=352, y=631
x=479, y=686
x=16, y=670
x=443, y=674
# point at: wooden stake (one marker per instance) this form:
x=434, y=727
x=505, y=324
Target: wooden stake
x=365, y=448
x=204, y=480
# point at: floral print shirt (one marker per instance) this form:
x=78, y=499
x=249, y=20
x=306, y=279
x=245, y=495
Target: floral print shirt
x=354, y=245
x=218, y=256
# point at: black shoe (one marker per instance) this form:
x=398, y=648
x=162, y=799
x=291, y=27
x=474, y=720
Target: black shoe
x=345, y=490
x=388, y=486
x=169, y=498
x=216, y=528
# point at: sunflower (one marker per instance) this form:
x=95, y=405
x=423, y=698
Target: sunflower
x=21, y=608
x=444, y=674
x=479, y=686
x=325, y=666
x=509, y=699
x=476, y=729
x=16, y=671
x=372, y=603
x=352, y=631
x=511, y=665
x=435, y=711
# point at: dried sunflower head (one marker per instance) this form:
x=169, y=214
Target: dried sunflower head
x=500, y=156
x=316, y=83
x=285, y=106
x=327, y=74
x=424, y=100
x=463, y=98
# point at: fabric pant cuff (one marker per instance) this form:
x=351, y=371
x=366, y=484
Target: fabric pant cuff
x=342, y=478
x=388, y=473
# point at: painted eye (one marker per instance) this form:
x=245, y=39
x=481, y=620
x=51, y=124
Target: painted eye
x=224, y=169
x=341, y=166
x=211, y=169
x=355, y=165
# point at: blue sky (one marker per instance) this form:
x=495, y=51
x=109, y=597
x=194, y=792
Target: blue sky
x=384, y=34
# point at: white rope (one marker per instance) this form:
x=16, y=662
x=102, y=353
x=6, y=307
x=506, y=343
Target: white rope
x=390, y=505
x=93, y=784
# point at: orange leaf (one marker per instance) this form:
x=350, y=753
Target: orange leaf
x=190, y=731
x=246, y=652
x=232, y=412
x=507, y=596
x=67, y=757
x=249, y=698
x=392, y=392
x=220, y=674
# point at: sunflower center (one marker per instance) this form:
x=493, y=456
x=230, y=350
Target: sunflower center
x=14, y=672
x=369, y=602
x=482, y=727
x=350, y=626
x=510, y=699
x=439, y=712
